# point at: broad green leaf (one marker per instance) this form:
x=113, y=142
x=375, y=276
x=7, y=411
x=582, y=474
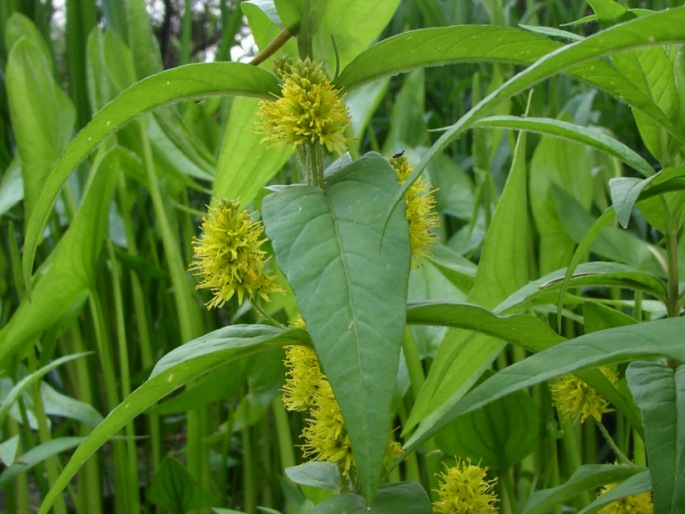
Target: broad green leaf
x=521, y=329
x=659, y=393
x=289, y=11
x=350, y=282
x=174, y=370
x=38, y=454
x=245, y=163
x=636, y=484
x=572, y=132
x=499, y=435
x=607, y=10
x=174, y=488
x=8, y=450
x=64, y=281
x=646, y=340
x=589, y=476
x=42, y=116
x=58, y=404
x=182, y=83
x=324, y=475
x=18, y=26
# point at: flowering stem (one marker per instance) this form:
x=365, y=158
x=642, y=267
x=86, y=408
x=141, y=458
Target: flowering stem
x=613, y=445
x=273, y=47
x=267, y=316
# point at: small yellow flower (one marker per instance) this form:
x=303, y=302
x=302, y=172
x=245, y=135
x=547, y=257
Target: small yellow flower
x=636, y=504
x=310, y=109
x=303, y=378
x=464, y=489
x=326, y=438
x=420, y=215
x=577, y=401
x=228, y=258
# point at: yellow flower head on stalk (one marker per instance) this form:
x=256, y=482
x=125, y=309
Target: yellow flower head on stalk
x=326, y=438
x=635, y=504
x=228, y=258
x=303, y=374
x=310, y=109
x=420, y=215
x=464, y=489
x=577, y=401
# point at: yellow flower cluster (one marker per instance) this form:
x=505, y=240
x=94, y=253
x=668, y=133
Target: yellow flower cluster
x=228, y=258
x=465, y=489
x=307, y=389
x=310, y=109
x=636, y=504
x=577, y=401
x=420, y=215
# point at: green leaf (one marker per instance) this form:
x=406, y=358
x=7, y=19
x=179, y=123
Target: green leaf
x=324, y=475
x=350, y=282
x=353, y=25
x=636, y=484
x=502, y=269
x=572, y=132
x=590, y=476
x=8, y=450
x=342, y=504
x=660, y=395
x=598, y=274
x=245, y=163
x=174, y=370
x=407, y=123
x=646, y=340
x=522, y=329
x=174, y=488
x=499, y=435
x=182, y=83
x=64, y=281
x=582, y=59
x=147, y=58
x=404, y=497
x=38, y=454
x=42, y=115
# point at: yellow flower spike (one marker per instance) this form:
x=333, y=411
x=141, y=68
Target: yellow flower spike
x=303, y=378
x=420, y=215
x=228, y=258
x=577, y=401
x=464, y=489
x=310, y=110
x=325, y=436
x=635, y=504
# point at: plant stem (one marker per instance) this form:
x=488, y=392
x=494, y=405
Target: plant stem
x=614, y=447
x=508, y=485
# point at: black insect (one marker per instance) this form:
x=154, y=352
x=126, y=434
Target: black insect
x=398, y=155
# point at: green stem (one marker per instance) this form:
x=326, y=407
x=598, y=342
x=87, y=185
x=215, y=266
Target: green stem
x=617, y=451
x=508, y=485
x=267, y=316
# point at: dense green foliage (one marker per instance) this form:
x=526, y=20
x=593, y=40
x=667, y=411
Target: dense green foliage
x=553, y=136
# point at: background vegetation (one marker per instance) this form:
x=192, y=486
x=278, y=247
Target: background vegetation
x=111, y=295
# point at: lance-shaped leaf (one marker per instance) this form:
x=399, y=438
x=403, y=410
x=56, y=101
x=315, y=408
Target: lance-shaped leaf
x=659, y=393
x=167, y=87
x=646, y=340
x=350, y=281
x=174, y=370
